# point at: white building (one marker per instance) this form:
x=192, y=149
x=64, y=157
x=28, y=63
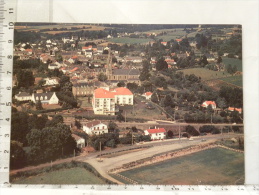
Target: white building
x=104, y=101
x=207, y=103
x=147, y=95
x=23, y=96
x=95, y=128
x=80, y=142
x=155, y=134
x=45, y=98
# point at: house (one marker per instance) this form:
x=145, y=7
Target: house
x=207, y=103
x=51, y=82
x=45, y=98
x=80, y=142
x=232, y=109
x=83, y=89
x=210, y=57
x=88, y=53
x=104, y=101
x=147, y=95
x=53, y=66
x=127, y=75
x=157, y=133
x=23, y=96
x=164, y=43
x=95, y=127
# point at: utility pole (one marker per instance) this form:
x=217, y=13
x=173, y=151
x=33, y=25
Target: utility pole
x=125, y=116
x=179, y=133
x=131, y=137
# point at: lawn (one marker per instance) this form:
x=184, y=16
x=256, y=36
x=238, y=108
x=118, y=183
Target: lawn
x=235, y=80
x=63, y=176
x=210, y=167
x=128, y=40
x=205, y=73
x=233, y=61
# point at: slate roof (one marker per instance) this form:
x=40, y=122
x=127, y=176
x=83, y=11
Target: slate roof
x=23, y=94
x=125, y=72
x=43, y=95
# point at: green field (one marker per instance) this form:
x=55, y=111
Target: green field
x=63, y=176
x=235, y=80
x=172, y=35
x=205, y=73
x=233, y=61
x=210, y=167
x=128, y=40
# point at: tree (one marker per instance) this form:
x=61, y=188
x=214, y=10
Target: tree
x=219, y=60
x=121, y=84
x=102, y=77
x=78, y=124
x=39, y=105
x=112, y=127
x=154, y=97
x=17, y=155
x=161, y=65
x=25, y=78
x=120, y=117
x=19, y=127
x=170, y=134
x=192, y=131
x=50, y=143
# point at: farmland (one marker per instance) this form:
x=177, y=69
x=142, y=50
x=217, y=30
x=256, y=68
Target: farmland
x=235, y=80
x=128, y=40
x=233, y=62
x=205, y=74
x=63, y=176
x=210, y=167
x=176, y=34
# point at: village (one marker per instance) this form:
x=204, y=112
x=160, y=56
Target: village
x=113, y=94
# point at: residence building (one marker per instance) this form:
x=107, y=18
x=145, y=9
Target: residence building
x=45, y=98
x=23, y=96
x=95, y=127
x=156, y=134
x=80, y=142
x=207, y=103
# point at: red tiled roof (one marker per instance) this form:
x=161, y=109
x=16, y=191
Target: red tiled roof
x=148, y=93
x=102, y=93
x=159, y=130
x=178, y=40
x=93, y=123
x=123, y=91
x=237, y=109
x=74, y=57
x=209, y=103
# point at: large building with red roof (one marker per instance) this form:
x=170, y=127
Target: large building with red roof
x=104, y=101
x=157, y=133
x=207, y=103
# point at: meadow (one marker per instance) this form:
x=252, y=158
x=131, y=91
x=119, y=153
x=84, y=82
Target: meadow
x=233, y=62
x=205, y=73
x=76, y=175
x=235, y=80
x=128, y=40
x=210, y=167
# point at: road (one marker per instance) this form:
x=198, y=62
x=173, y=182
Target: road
x=156, y=147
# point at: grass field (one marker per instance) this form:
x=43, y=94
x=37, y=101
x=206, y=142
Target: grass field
x=235, y=80
x=210, y=167
x=129, y=40
x=63, y=176
x=205, y=73
x=172, y=35
x=233, y=61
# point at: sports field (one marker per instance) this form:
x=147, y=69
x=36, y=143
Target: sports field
x=210, y=167
x=63, y=176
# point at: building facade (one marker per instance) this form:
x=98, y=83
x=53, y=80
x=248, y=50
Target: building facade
x=95, y=128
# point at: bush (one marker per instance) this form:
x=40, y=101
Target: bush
x=192, y=131
x=208, y=129
x=186, y=135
